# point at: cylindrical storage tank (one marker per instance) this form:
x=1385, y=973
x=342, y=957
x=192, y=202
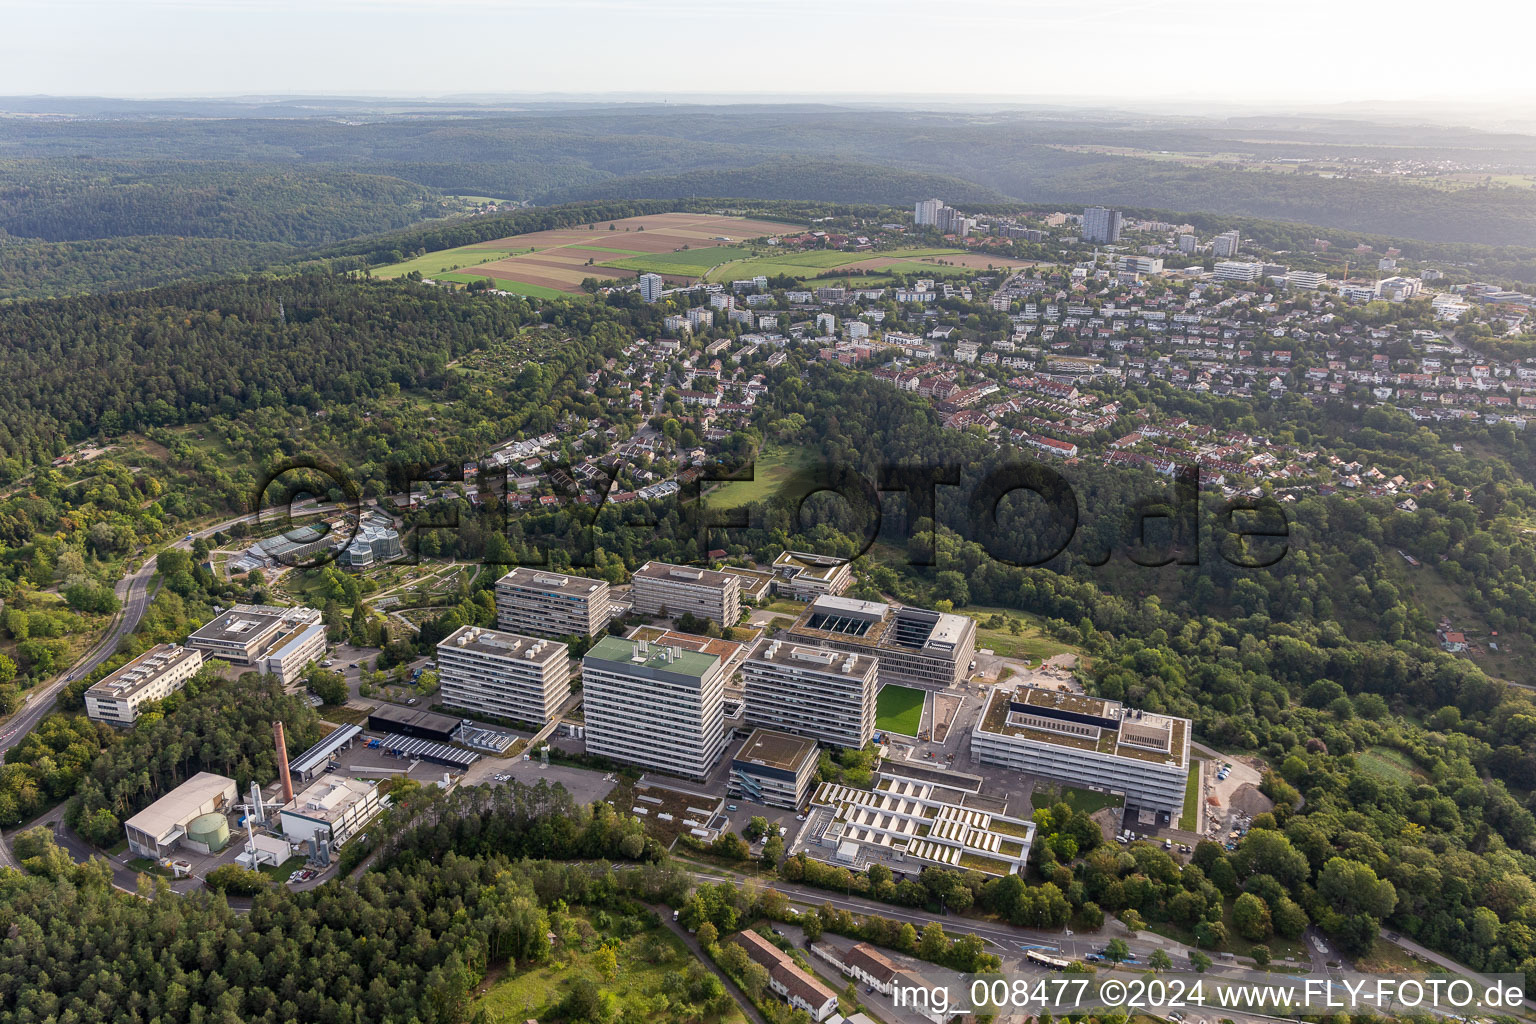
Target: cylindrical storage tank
x=210, y=830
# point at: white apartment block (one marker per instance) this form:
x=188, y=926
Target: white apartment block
x=651, y=286
x=803, y=576
x=1087, y=741
x=1226, y=244
x=662, y=588
x=153, y=675
x=277, y=641
x=814, y=692
x=538, y=602
x=914, y=646
x=654, y=706
x=505, y=675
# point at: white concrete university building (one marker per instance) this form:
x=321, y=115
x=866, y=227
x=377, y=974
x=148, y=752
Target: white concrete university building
x=504, y=675
x=675, y=589
x=828, y=696
x=153, y=675
x=655, y=706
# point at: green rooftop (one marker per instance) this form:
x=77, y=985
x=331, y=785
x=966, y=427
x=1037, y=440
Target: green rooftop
x=628, y=655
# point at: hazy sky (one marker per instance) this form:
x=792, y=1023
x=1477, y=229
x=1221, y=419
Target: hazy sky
x=1300, y=51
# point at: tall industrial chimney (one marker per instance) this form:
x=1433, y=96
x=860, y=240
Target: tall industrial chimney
x=282, y=762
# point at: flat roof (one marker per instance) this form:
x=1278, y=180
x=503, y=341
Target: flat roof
x=414, y=717
x=821, y=659
x=329, y=798
x=237, y=626
x=728, y=651
x=180, y=805
x=637, y=654
x=551, y=582
x=995, y=719
x=687, y=575
x=776, y=749
x=142, y=671
x=500, y=644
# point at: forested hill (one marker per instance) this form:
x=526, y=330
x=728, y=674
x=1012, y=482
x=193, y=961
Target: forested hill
x=59, y=201
x=73, y=367
x=819, y=180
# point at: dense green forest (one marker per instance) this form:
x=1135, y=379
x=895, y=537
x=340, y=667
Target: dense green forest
x=73, y=200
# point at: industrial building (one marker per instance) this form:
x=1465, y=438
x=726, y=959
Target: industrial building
x=423, y=725
x=656, y=706
x=537, y=602
x=1087, y=741
x=812, y=691
x=915, y=647
x=660, y=588
x=190, y=814
x=773, y=768
x=504, y=675
x=273, y=640
x=153, y=675
x=331, y=810
x=802, y=576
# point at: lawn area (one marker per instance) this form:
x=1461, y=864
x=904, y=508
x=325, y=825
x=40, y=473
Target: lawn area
x=686, y=261
x=280, y=872
x=1389, y=764
x=775, y=464
x=1191, y=815
x=648, y=963
x=899, y=709
x=1030, y=641
x=1084, y=801
x=436, y=264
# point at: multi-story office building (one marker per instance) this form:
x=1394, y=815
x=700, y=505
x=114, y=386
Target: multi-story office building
x=651, y=286
x=914, y=646
x=1237, y=270
x=1141, y=265
x=812, y=691
x=1226, y=244
x=1087, y=741
x=654, y=706
x=1308, y=280
x=1101, y=224
x=662, y=588
x=503, y=674
x=153, y=675
x=773, y=768
x=805, y=577
x=277, y=641
x=544, y=603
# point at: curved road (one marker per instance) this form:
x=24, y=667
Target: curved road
x=133, y=593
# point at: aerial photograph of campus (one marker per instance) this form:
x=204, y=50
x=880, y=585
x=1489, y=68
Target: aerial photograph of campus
x=602, y=512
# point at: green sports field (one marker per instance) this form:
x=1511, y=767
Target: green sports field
x=899, y=709
x=688, y=261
